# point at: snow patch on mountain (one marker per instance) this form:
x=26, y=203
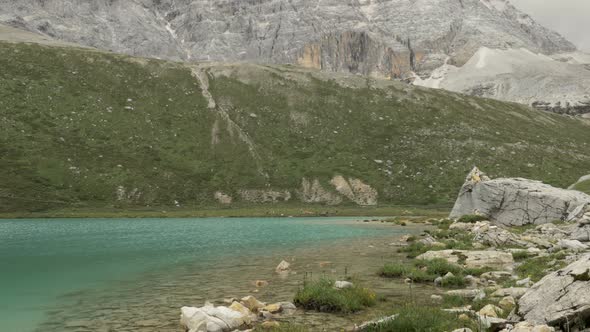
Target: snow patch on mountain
x=558, y=83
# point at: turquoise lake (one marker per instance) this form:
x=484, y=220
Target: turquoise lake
x=58, y=274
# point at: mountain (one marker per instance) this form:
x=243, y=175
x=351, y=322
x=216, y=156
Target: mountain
x=406, y=39
x=84, y=128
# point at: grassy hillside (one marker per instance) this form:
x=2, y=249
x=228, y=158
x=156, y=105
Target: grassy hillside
x=81, y=128
x=583, y=186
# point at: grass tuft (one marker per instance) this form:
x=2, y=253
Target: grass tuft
x=321, y=296
x=423, y=319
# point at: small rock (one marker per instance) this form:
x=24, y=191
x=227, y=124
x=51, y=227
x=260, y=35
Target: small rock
x=283, y=266
x=438, y=281
x=491, y=310
x=270, y=324
x=464, y=318
x=273, y=308
x=343, y=284
x=524, y=282
x=261, y=283
x=496, y=275
x=465, y=329
x=436, y=298
x=515, y=292
x=507, y=303
x=252, y=303
x=476, y=294
x=448, y=275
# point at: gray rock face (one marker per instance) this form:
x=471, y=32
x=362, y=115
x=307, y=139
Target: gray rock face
x=559, y=297
x=417, y=40
x=389, y=38
x=516, y=201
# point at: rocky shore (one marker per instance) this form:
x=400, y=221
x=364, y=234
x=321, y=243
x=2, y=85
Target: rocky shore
x=514, y=255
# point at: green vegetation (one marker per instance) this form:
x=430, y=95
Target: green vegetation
x=521, y=255
x=472, y=218
x=538, y=267
x=84, y=130
x=412, y=318
x=235, y=210
x=583, y=186
x=428, y=271
x=321, y=295
x=283, y=327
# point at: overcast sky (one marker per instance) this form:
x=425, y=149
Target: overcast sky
x=571, y=18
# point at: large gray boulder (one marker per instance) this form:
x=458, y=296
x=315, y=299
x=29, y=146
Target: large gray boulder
x=517, y=201
x=560, y=297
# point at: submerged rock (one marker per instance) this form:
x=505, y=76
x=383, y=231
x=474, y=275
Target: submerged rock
x=283, y=266
x=516, y=201
x=560, y=297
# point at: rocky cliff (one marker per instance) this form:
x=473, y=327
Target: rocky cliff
x=391, y=38
x=403, y=39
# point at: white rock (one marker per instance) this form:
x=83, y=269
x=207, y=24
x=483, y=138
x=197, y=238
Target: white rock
x=515, y=201
x=343, y=284
x=211, y=319
x=474, y=258
x=574, y=245
x=560, y=296
x=283, y=266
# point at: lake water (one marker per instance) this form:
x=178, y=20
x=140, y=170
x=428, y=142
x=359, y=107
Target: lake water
x=135, y=274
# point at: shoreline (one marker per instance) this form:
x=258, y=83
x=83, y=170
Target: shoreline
x=260, y=211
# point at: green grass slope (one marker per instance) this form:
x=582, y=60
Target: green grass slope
x=583, y=186
x=81, y=128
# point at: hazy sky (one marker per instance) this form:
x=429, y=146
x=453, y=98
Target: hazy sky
x=571, y=18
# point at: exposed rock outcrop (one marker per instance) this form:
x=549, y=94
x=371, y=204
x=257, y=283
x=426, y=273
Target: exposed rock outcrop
x=476, y=259
x=516, y=201
x=264, y=196
x=314, y=192
x=355, y=190
x=560, y=298
x=388, y=38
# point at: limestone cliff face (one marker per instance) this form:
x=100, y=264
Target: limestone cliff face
x=386, y=38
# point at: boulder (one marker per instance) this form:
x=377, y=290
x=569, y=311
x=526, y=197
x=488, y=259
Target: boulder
x=515, y=201
x=473, y=258
x=560, y=297
x=212, y=319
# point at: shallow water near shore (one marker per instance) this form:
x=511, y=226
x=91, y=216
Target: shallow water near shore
x=135, y=274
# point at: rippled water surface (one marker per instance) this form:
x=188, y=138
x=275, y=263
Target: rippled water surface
x=135, y=274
